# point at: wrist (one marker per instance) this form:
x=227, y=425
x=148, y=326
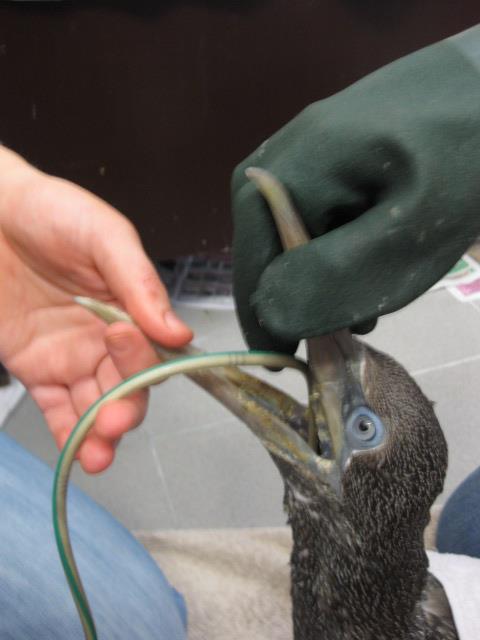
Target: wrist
x=10, y=289
x=15, y=173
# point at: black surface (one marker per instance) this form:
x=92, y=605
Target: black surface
x=151, y=104
x=4, y=376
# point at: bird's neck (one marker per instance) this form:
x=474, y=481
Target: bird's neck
x=349, y=583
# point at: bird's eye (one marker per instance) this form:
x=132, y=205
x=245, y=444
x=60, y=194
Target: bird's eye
x=364, y=429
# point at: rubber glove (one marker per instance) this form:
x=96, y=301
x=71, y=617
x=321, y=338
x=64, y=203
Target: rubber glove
x=386, y=175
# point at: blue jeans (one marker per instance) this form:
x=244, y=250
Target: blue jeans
x=129, y=596
x=459, y=525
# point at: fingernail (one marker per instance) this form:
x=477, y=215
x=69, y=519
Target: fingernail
x=173, y=322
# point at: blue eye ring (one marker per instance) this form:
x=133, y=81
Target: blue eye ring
x=364, y=429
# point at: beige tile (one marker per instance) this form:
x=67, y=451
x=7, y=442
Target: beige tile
x=431, y=331
x=178, y=405
x=132, y=489
x=221, y=478
x=455, y=391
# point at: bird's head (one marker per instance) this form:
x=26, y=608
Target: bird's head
x=381, y=457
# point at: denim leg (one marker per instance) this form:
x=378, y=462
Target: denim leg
x=459, y=525
x=129, y=595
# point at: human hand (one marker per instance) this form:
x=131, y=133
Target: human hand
x=386, y=175
x=58, y=241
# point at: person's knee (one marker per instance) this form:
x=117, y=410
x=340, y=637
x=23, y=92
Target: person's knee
x=459, y=523
x=128, y=593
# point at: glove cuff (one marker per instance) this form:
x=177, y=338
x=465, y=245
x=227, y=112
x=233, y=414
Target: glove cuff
x=468, y=43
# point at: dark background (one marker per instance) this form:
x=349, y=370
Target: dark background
x=151, y=104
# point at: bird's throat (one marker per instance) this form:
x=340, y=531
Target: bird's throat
x=347, y=588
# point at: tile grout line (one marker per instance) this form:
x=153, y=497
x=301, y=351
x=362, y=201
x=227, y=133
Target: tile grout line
x=163, y=482
x=448, y=365
x=477, y=309
x=210, y=426
x=206, y=425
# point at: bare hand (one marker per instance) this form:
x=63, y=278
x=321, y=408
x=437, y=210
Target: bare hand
x=57, y=241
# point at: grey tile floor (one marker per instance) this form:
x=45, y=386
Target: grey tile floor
x=191, y=464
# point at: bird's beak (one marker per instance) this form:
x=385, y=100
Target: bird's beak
x=319, y=452
x=337, y=364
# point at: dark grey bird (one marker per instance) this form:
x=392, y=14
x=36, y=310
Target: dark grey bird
x=358, y=496
x=358, y=565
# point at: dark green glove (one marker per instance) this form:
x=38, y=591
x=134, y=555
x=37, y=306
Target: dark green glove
x=386, y=175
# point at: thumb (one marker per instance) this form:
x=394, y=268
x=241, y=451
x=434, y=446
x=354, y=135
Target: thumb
x=134, y=282
x=344, y=278
x=348, y=276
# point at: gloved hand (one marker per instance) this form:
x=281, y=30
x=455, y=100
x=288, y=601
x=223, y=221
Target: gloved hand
x=386, y=175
